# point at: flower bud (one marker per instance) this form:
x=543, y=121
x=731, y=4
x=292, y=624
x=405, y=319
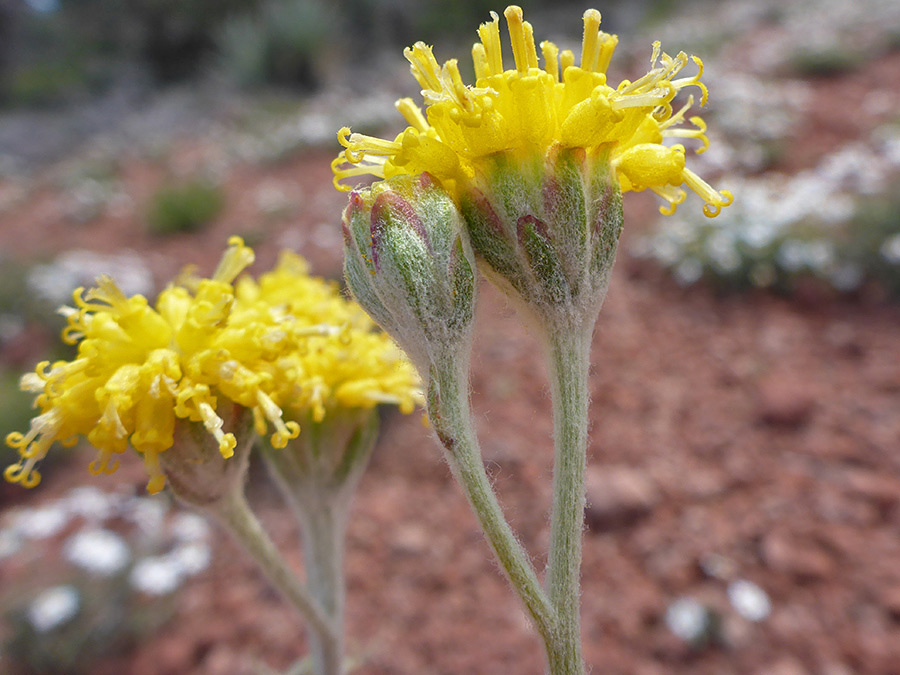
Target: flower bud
x=194, y=466
x=409, y=265
x=546, y=229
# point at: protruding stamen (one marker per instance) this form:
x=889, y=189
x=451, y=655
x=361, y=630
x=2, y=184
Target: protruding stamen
x=18, y=441
x=654, y=55
x=453, y=85
x=23, y=473
x=157, y=478
x=412, y=114
x=513, y=16
x=698, y=133
x=550, y=52
x=715, y=201
x=489, y=33
x=44, y=426
x=372, y=166
x=673, y=195
x=694, y=81
x=424, y=66
x=102, y=464
x=658, y=76
x=659, y=96
x=590, y=44
x=284, y=431
x=530, y=50
x=213, y=423
x=359, y=146
x=607, y=47
x=678, y=117
x=234, y=261
x=73, y=333
x=479, y=59
x=566, y=59
x=107, y=292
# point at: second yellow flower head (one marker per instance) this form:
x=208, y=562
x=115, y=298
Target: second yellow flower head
x=278, y=347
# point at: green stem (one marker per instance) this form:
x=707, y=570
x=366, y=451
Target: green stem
x=324, y=529
x=569, y=351
x=450, y=415
x=317, y=474
x=234, y=512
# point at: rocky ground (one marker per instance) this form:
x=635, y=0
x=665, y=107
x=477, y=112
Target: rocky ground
x=733, y=438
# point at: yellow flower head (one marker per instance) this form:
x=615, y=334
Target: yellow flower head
x=341, y=360
x=531, y=109
x=139, y=369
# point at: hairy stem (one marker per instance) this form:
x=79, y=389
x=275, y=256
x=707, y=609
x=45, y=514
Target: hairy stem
x=235, y=514
x=323, y=550
x=317, y=474
x=450, y=415
x=569, y=351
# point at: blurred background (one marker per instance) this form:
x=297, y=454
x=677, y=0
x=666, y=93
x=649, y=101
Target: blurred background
x=744, y=478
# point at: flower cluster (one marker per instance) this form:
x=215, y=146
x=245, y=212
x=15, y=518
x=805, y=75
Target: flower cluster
x=530, y=112
x=342, y=362
x=206, y=347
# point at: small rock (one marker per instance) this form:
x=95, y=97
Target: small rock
x=704, y=483
x=876, y=487
x=221, y=660
x=844, y=337
x=783, y=400
x=785, y=666
x=174, y=654
x=749, y=600
x=689, y=620
x=717, y=566
x=618, y=495
x=410, y=539
x=836, y=668
x=890, y=600
x=794, y=556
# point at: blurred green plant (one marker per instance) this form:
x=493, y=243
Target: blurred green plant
x=21, y=305
x=875, y=241
x=70, y=47
x=185, y=207
x=810, y=231
x=15, y=409
x=48, y=82
x=14, y=294
x=826, y=61
x=279, y=44
x=433, y=20
x=49, y=54
x=113, y=564
x=106, y=621
x=42, y=59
